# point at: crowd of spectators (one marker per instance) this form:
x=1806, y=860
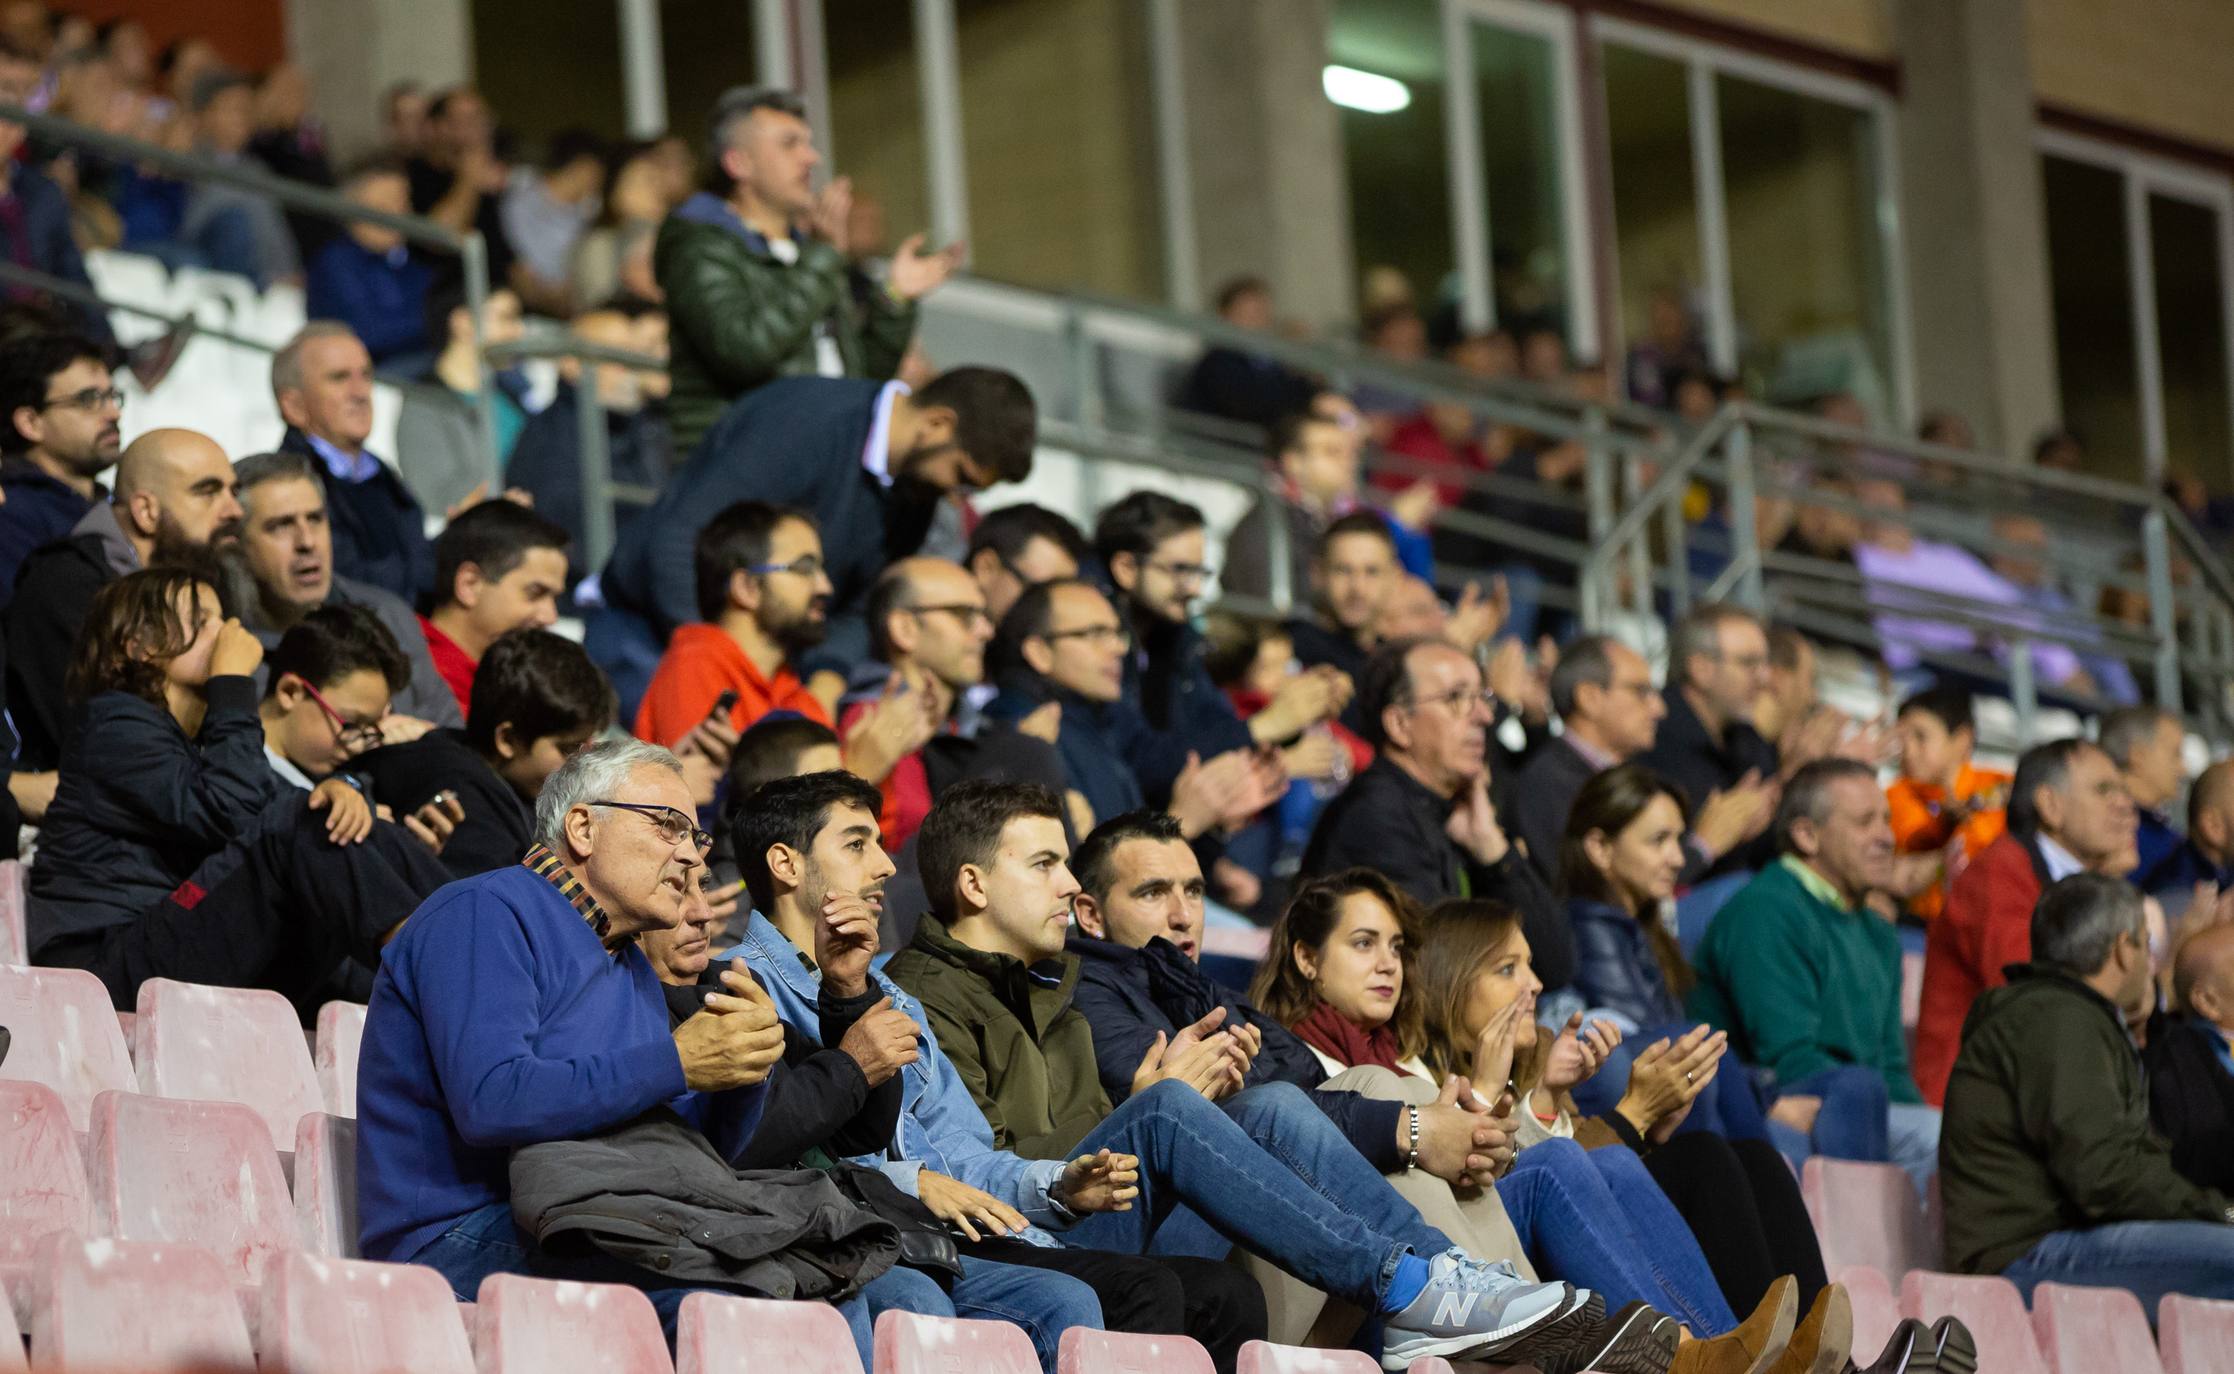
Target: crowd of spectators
x=868, y=831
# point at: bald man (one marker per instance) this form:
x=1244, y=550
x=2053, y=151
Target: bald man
x=2190, y=1060
x=2207, y=854
x=175, y=500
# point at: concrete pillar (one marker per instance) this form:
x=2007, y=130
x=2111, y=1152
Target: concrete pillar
x=1264, y=151
x=354, y=52
x=1972, y=219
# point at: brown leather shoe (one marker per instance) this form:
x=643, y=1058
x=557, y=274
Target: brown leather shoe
x=1755, y=1346
x=1825, y=1338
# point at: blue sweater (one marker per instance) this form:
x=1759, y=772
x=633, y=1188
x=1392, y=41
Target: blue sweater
x=498, y=1020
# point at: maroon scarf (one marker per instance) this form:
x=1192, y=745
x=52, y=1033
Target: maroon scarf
x=1350, y=1044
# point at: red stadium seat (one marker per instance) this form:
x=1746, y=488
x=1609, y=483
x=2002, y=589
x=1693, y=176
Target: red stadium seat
x=1876, y=1309
x=326, y=1184
x=907, y=1343
x=533, y=1326
x=716, y=1334
x=1989, y=1305
x=189, y=1173
x=2081, y=1330
x=1114, y=1352
x=341, y=1026
x=1866, y=1214
x=15, y=946
x=106, y=1306
x=64, y=1035
x=1263, y=1357
x=11, y=1342
x=227, y=1045
x=2195, y=1335
x=329, y=1316
x=42, y=1172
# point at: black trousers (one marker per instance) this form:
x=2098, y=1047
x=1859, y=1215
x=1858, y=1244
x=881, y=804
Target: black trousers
x=1217, y=1304
x=1744, y=1206
x=282, y=907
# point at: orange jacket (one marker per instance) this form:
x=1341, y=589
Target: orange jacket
x=1921, y=824
x=700, y=664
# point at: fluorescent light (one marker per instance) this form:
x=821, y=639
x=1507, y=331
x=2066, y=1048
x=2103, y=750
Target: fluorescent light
x=1367, y=91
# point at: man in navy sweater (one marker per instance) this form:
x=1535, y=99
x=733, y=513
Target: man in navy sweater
x=515, y=1008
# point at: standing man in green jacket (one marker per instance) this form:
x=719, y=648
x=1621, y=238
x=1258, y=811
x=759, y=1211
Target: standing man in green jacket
x=2049, y=1167
x=1806, y=979
x=756, y=273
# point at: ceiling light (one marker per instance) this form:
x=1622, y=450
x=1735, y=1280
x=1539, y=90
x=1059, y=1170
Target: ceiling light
x=1367, y=91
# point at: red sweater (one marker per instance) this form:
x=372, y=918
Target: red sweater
x=1987, y=926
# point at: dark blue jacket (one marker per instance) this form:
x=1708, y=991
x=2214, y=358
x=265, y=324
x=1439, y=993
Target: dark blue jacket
x=1166, y=681
x=2178, y=872
x=380, y=534
x=47, y=245
x=384, y=301
x=1615, y=966
x=547, y=460
x=1111, y=754
x=2157, y=844
x=40, y=509
x=1128, y=995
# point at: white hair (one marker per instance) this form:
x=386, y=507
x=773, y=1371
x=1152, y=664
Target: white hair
x=593, y=774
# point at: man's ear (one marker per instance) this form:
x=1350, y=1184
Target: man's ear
x=1038, y=655
x=506, y=738
x=2047, y=803
x=291, y=407
x=29, y=423
x=934, y=425
x=786, y=865
x=144, y=512
x=1124, y=569
x=1087, y=912
x=1804, y=837
x=744, y=591
x=580, y=829
x=969, y=891
x=288, y=691
x=1396, y=725
x=465, y=588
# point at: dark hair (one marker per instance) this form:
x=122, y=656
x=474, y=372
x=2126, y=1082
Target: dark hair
x=790, y=811
x=892, y=591
x=570, y=145
x=2129, y=727
x=2079, y=918
x=258, y=469
x=1587, y=660
x=1234, y=288
x=1785, y=647
x=380, y=163
x=27, y=364
x=1699, y=635
x=733, y=107
x=495, y=536
x=1030, y=618
x=541, y=684
x=334, y=641
x=132, y=633
x=1808, y=795
x=995, y=419
x=1231, y=641
x=1286, y=434
x=1141, y=522
x=444, y=298
x=770, y=748
x=1093, y=863
x=1356, y=522
x=1377, y=322
x=1387, y=682
x=1607, y=805
x=1463, y=937
x=1313, y=914
x=965, y=828
x=733, y=541
x=1950, y=706
x=1011, y=529
x=2043, y=765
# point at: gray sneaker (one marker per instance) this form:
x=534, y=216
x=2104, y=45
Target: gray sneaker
x=1470, y=1310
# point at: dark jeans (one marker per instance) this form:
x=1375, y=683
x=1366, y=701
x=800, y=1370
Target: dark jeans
x=282, y=908
x=2147, y=1258
x=1744, y=1207
x=1217, y=1305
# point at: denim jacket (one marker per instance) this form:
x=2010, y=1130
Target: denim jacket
x=941, y=1127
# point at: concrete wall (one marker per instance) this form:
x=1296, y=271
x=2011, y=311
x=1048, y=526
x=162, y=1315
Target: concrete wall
x=2159, y=64
x=353, y=52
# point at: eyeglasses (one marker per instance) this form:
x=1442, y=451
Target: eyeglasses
x=1460, y=697
x=362, y=735
x=674, y=826
x=970, y=616
x=807, y=565
x=92, y=398
x=1197, y=573
x=1095, y=634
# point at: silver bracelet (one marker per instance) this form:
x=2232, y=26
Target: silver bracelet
x=1412, y=1160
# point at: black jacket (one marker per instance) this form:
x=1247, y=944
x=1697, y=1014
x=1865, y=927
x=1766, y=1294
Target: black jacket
x=1315, y=644
x=1128, y=995
x=40, y=509
x=547, y=460
x=379, y=532
x=1617, y=967
x=54, y=594
x=1165, y=678
x=1388, y=820
x=1246, y=387
x=1686, y=755
x=498, y=822
x=1543, y=795
x=2191, y=1099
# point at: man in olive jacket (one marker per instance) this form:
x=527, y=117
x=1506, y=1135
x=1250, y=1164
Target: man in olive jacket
x=2048, y=1168
x=757, y=277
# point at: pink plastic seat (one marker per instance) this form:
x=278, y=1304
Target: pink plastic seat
x=15, y=944
x=2195, y=1335
x=42, y=1173
x=533, y=1326
x=65, y=1036
x=329, y=1316
x=1989, y=1305
x=1115, y=1352
x=907, y=1343
x=2081, y=1330
x=227, y=1045
x=341, y=1027
x=103, y=1306
x=11, y=1342
x=189, y=1173
x=1876, y=1309
x=326, y=1184
x=717, y=1334
x=1866, y=1214
x=1263, y=1357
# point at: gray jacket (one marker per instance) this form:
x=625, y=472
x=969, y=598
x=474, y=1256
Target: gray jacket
x=428, y=697
x=655, y=1194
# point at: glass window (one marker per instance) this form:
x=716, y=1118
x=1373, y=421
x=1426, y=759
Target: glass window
x=1655, y=209
x=2191, y=338
x=876, y=114
x=2092, y=299
x=1517, y=104
x=1398, y=159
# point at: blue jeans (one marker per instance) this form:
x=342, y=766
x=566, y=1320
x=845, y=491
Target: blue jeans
x=1268, y=1171
x=2148, y=1258
x=1853, y=1123
x=1597, y=1220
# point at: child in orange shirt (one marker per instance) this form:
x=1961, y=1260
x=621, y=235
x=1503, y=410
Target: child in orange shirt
x=1942, y=802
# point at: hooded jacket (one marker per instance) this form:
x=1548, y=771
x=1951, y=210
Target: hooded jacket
x=743, y=317
x=54, y=594
x=40, y=507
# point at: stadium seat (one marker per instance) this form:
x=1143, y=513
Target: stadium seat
x=15, y=946
x=1866, y=1214
x=11, y=1343
x=1115, y=1352
x=65, y=1035
x=2081, y=1330
x=104, y=1306
x=189, y=1173
x=2195, y=1335
x=329, y=1316
x=326, y=1184
x=1989, y=1305
x=1876, y=1309
x=341, y=1027
x=717, y=1334
x=907, y=1343
x=1263, y=1357
x=42, y=1173
x=227, y=1045
x=532, y=1326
